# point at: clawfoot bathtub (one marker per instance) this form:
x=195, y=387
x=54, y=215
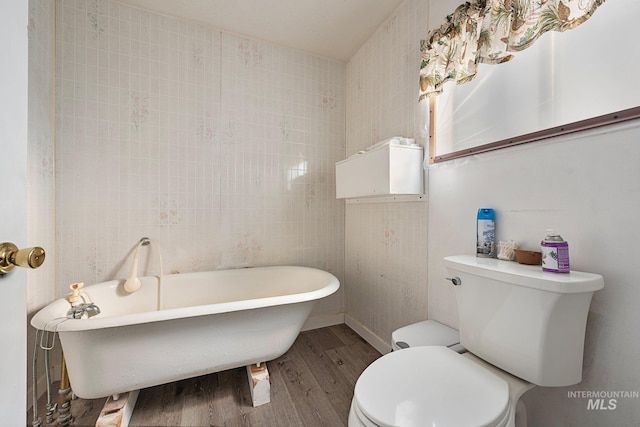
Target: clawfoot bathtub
x=209, y=322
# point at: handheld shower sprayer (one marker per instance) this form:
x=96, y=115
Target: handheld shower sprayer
x=133, y=283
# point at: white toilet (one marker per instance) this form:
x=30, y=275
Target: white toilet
x=521, y=326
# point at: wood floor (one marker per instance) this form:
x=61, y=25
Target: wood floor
x=311, y=385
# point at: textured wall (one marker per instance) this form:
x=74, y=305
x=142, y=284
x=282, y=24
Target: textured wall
x=40, y=168
x=218, y=147
x=40, y=146
x=386, y=243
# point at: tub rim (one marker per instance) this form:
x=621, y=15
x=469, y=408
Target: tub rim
x=43, y=320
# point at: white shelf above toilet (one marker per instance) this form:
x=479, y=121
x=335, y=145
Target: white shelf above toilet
x=390, y=171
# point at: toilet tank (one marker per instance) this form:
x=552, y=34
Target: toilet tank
x=525, y=321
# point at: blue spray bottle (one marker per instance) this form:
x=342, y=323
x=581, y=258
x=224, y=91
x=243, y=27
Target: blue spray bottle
x=486, y=233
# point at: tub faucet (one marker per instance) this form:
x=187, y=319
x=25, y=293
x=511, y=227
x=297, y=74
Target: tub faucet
x=78, y=311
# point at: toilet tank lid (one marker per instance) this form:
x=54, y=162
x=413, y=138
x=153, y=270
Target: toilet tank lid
x=530, y=276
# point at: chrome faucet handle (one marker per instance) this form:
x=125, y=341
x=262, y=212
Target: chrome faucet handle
x=93, y=310
x=79, y=310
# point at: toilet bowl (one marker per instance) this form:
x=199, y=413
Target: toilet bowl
x=429, y=386
x=505, y=311
x=387, y=370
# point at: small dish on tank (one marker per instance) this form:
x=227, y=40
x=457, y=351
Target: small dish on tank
x=528, y=257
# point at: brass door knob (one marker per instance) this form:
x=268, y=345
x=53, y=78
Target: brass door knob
x=11, y=256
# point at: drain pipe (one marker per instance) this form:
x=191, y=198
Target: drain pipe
x=37, y=421
x=51, y=407
x=64, y=397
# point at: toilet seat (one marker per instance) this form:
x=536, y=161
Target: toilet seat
x=427, y=332
x=429, y=386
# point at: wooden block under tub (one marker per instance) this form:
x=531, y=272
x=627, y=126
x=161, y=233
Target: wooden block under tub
x=259, y=384
x=117, y=413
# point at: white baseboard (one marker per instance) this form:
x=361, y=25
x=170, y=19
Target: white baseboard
x=322, y=321
x=376, y=342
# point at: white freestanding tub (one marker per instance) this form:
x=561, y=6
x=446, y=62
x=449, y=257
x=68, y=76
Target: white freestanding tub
x=209, y=322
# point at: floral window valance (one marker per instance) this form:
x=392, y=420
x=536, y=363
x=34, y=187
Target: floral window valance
x=488, y=31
